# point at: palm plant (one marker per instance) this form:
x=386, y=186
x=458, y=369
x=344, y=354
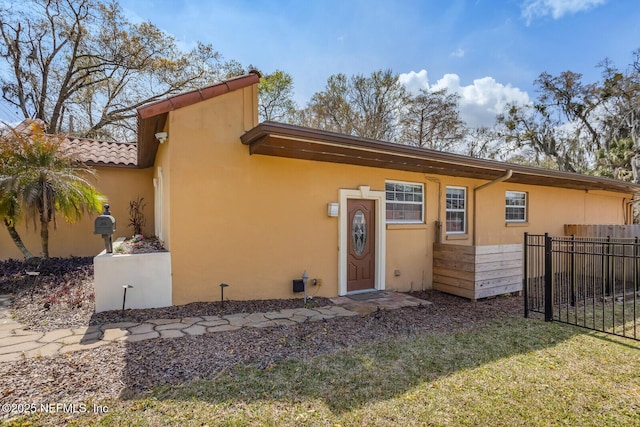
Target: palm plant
x=41, y=176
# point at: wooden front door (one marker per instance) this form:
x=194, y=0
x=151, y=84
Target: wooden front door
x=361, y=257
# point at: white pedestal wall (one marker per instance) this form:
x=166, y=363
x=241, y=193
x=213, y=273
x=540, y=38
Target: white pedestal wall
x=149, y=274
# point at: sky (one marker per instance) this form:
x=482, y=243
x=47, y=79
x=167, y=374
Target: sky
x=488, y=51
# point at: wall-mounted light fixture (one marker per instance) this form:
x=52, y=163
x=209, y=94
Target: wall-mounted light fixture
x=162, y=137
x=333, y=209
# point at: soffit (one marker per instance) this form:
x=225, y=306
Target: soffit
x=281, y=140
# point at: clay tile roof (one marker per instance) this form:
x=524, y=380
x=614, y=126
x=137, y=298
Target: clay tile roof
x=105, y=153
x=91, y=151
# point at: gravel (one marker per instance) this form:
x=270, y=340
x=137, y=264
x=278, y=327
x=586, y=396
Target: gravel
x=123, y=370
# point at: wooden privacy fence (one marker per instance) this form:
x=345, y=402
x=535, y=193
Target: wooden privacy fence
x=602, y=230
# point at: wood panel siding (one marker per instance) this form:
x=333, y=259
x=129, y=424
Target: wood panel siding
x=477, y=272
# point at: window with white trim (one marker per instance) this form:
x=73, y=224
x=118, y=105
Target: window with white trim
x=516, y=206
x=456, y=202
x=405, y=202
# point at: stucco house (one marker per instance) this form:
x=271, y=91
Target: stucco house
x=255, y=205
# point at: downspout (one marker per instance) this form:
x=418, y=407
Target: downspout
x=475, y=199
x=629, y=209
x=437, y=232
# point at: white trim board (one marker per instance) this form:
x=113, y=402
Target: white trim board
x=363, y=192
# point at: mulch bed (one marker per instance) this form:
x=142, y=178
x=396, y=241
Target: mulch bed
x=63, y=297
x=121, y=370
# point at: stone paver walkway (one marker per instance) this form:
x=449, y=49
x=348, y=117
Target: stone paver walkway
x=16, y=342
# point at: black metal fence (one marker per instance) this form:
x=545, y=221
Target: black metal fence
x=591, y=282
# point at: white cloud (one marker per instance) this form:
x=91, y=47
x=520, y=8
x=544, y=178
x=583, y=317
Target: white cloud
x=532, y=9
x=458, y=53
x=480, y=102
x=414, y=81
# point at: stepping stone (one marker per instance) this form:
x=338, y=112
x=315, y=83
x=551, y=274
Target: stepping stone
x=276, y=315
x=11, y=357
x=284, y=322
x=341, y=311
x=86, y=338
x=237, y=321
x=223, y=328
x=214, y=322
x=86, y=330
x=195, y=330
x=20, y=348
x=320, y=317
x=52, y=336
x=264, y=324
x=49, y=349
x=236, y=316
x=325, y=310
x=163, y=321
x=171, y=333
x=192, y=320
x=120, y=325
x=144, y=328
x=8, y=321
x=301, y=312
x=211, y=318
x=6, y=334
x=171, y=326
x=11, y=326
x=74, y=339
x=114, y=334
x=256, y=318
x=140, y=337
x=17, y=339
x=80, y=347
x=298, y=319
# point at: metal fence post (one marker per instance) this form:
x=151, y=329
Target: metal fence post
x=525, y=274
x=548, y=279
x=573, y=271
x=636, y=286
x=607, y=282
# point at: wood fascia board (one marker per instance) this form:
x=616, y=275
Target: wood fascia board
x=267, y=134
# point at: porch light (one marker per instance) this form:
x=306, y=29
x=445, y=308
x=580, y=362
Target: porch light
x=162, y=137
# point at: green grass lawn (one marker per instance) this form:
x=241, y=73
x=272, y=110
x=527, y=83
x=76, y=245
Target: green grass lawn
x=516, y=372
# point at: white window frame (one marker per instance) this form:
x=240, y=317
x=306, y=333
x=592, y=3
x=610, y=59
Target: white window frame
x=524, y=208
x=413, y=203
x=464, y=211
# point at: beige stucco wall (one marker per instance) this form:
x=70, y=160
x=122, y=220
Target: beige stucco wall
x=257, y=222
x=120, y=186
x=548, y=209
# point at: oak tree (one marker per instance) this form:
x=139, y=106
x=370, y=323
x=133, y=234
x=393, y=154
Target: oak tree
x=83, y=68
x=364, y=106
x=432, y=120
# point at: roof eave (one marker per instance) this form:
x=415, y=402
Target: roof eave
x=277, y=139
x=152, y=117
